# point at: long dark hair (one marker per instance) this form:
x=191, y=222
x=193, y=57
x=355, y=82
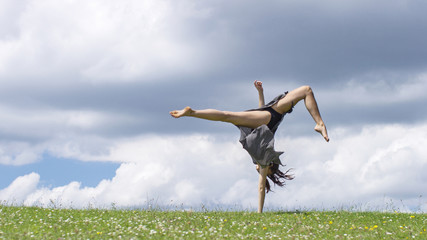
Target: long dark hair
x=278, y=177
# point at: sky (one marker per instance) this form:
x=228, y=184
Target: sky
x=86, y=88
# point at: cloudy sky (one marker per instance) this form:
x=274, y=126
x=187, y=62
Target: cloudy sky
x=86, y=88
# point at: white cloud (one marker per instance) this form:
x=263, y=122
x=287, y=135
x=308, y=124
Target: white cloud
x=102, y=40
x=20, y=188
x=242, y=192
x=19, y=153
x=182, y=169
x=40, y=122
x=378, y=89
x=28, y=133
x=383, y=164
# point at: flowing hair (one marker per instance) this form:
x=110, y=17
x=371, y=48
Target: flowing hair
x=278, y=177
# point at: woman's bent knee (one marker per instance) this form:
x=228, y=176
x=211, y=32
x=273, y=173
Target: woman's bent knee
x=307, y=89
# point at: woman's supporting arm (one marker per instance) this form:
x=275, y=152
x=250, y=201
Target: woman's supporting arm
x=258, y=86
x=261, y=187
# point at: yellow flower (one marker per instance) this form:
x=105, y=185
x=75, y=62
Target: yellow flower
x=265, y=228
x=330, y=222
x=412, y=216
x=372, y=228
x=99, y=233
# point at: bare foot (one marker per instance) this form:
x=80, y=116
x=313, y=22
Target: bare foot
x=321, y=128
x=181, y=113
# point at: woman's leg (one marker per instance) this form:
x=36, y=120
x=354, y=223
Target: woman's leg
x=293, y=97
x=252, y=119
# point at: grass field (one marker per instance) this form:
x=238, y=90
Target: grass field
x=45, y=223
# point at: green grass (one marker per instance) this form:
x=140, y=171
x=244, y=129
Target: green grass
x=45, y=223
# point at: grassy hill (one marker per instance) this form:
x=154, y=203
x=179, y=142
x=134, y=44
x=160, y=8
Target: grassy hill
x=45, y=223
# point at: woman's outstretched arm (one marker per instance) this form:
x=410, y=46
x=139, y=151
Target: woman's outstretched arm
x=258, y=86
x=261, y=187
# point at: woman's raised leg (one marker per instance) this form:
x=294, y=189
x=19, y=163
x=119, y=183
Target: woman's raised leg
x=306, y=93
x=252, y=119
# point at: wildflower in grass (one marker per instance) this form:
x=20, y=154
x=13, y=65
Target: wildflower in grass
x=372, y=228
x=412, y=217
x=330, y=222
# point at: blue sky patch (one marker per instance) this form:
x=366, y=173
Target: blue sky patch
x=55, y=172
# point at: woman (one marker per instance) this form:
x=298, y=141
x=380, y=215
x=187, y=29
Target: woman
x=257, y=128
